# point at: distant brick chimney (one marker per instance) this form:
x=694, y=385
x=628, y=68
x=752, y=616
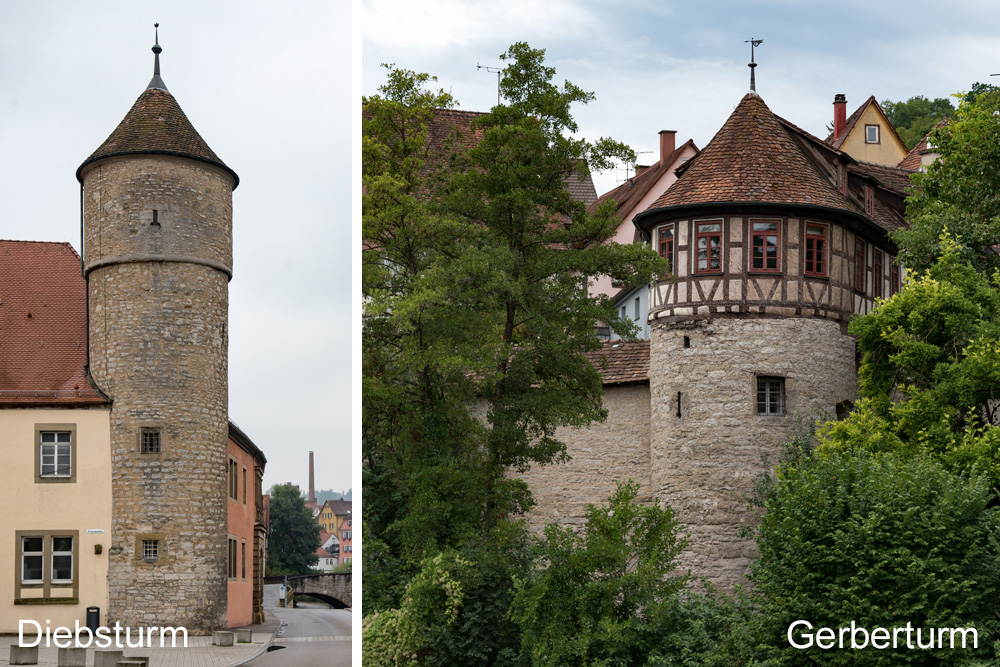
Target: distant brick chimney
x=312, y=482
x=667, y=143
x=839, y=115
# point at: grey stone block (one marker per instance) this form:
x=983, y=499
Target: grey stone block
x=23, y=655
x=72, y=657
x=108, y=658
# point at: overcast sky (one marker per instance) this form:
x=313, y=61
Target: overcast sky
x=267, y=85
x=681, y=65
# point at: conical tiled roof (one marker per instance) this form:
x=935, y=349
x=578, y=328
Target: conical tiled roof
x=752, y=159
x=156, y=125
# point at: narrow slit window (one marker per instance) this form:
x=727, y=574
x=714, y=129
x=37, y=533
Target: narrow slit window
x=877, y=273
x=860, y=265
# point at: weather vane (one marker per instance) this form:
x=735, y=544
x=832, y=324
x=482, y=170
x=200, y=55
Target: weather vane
x=498, y=71
x=753, y=42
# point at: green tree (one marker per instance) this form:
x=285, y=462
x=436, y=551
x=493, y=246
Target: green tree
x=294, y=536
x=476, y=322
x=960, y=191
x=915, y=117
x=929, y=376
x=606, y=595
x=882, y=540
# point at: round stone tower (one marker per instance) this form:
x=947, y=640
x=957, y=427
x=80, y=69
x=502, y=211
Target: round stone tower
x=157, y=219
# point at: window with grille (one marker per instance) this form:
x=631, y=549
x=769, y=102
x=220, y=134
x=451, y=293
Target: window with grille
x=816, y=250
x=150, y=441
x=765, y=246
x=770, y=395
x=708, y=247
x=150, y=550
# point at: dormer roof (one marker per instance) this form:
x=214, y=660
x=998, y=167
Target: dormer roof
x=627, y=195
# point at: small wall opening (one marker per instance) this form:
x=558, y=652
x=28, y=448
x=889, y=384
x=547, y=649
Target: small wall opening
x=687, y=341
x=678, y=404
x=156, y=219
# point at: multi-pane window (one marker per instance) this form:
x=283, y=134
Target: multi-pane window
x=815, y=250
x=765, y=244
x=708, y=247
x=665, y=245
x=234, y=482
x=860, y=265
x=150, y=441
x=877, y=273
x=32, y=560
x=150, y=550
x=770, y=395
x=56, y=454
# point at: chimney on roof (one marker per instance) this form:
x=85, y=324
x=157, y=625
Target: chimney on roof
x=667, y=143
x=312, y=485
x=839, y=115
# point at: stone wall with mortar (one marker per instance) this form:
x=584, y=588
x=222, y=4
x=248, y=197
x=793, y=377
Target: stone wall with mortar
x=704, y=462
x=600, y=456
x=158, y=312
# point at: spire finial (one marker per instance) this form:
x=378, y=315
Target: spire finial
x=753, y=42
x=156, y=81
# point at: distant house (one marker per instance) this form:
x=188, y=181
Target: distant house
x=346, y=535
x=866, y=135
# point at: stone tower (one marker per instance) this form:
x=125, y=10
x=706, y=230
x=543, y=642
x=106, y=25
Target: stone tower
x=157, y=219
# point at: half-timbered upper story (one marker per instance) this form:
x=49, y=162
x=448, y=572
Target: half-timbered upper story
x=771, y=221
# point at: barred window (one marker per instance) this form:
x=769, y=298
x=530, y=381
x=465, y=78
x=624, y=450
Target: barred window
x=770, y=395
x=150, y=441
x=150, y=550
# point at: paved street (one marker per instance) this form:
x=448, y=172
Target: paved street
x=311, y=635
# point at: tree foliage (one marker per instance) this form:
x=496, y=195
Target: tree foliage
x=476, y=323
x=294, y=534
x=960, y=191
x=881, y=540
x=915, y=117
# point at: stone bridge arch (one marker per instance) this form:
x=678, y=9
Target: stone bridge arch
x=333, y=588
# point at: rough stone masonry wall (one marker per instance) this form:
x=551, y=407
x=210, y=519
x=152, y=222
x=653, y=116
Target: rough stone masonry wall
x=601, y=456
x=159, y=348
x=705, y=461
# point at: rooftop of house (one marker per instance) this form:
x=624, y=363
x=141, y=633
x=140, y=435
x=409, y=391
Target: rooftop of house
x=622, y=361
x=853, y=119
x=338, y=507
x=43, y=326
x=627, y=195
x=913, y=161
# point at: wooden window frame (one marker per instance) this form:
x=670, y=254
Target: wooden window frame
x=877, y=276
x=666, y=253
x=141, y=446
x=764, y=235
x=860, y=264
x=893, y=279
x=47, y=583
x=698, y=235
x=809, y=254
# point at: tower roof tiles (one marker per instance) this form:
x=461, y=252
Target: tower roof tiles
x=156, y=125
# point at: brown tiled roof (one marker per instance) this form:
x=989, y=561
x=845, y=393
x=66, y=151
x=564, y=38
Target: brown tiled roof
x=622, y=361
x=581, y=188
x=912, y=159
x=156, y=124
x=43, y=325
x=893, y=179
x=752, y=159
x=339, y=507
x=631, y=192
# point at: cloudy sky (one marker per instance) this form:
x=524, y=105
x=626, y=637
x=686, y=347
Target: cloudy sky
x=681, y=65
x=267, y=85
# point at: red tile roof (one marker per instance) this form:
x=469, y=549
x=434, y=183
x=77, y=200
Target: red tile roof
x=752, y=159
x=893, y=179
x=631, y=192
x=912, y=160
x=43, y=325
x=156, y=124
x=622, y=361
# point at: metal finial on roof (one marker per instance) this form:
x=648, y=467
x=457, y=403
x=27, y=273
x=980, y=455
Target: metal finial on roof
x=156, y=81
x=753, y=42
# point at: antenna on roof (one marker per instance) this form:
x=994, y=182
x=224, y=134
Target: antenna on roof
x=498, y=71
x=753, y=42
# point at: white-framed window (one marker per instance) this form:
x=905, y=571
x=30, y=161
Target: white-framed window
x=150, y=550
x=62, y=559
x=770, y=395
x=871, y=134
x=33, y=559
x=47, y=562
x=56, y=454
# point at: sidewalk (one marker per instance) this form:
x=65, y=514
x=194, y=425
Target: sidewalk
x=199, y=651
